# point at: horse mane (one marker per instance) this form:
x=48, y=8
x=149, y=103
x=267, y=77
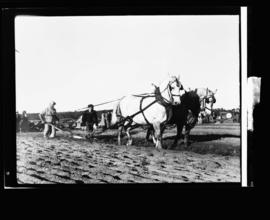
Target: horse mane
x=191, y=100
x=159, y=97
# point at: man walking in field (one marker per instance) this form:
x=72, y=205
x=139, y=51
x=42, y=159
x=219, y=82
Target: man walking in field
x=90, y=120
x=49, y=117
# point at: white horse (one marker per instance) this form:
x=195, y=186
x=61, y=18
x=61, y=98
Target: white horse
x=207, y=98
x=148, y=109
x=253, y=89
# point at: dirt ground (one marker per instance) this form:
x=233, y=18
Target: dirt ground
x=213, y=156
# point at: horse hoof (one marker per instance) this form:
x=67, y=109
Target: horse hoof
x=159, y=147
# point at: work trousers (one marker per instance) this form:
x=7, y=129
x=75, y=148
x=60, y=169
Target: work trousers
x=89, y=130
x=49, y=130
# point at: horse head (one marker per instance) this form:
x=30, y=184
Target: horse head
x=171, y=90
x=191, y=101
x=207, y=98
x=210, y=97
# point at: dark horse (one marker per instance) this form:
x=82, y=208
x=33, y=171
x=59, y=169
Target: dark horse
x=186, y=114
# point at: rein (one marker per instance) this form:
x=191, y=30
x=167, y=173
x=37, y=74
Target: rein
x=168, y=102
x=133, y=115
x=158, y=99
x=82, y=109
x=206, y=99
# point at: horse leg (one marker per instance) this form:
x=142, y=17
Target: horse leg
x=178, y=135
x=120, y=128
x=148, y=133
x=157, y=130
x=162, y=129
x=129, y=142
x=188, y=126
x=154, y=139
x=186, y=136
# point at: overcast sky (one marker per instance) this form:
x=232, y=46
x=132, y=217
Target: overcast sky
x=80, y=60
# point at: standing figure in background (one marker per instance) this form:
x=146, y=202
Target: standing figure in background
x=24, y=123
x=105, y=121
x=18, y=119
x=49, y=117
x=90, y=120
x=108, y=119
x=102, y=122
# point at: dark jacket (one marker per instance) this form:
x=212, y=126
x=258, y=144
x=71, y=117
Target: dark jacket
x=89, y=117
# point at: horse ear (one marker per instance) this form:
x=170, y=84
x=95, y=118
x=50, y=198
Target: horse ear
x=178, y=77
x=153, y=85
x=196, y=90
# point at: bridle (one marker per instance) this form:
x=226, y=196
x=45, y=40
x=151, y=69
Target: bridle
x=207, y=99
x=169, y=89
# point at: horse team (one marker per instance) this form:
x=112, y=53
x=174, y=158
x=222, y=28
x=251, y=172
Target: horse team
x=169, y=104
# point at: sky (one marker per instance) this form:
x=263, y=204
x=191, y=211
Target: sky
x=79, y=60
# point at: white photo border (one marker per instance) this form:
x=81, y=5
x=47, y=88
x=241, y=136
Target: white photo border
x=243, y=63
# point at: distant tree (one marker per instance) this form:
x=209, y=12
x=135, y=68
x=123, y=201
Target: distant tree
x=62, y=115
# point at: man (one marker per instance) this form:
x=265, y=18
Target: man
x=108, y=119
x=24, y=122
x=90, y=120
x=49, y=117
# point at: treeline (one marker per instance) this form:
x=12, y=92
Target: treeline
x=61, y=115
x=217, y=111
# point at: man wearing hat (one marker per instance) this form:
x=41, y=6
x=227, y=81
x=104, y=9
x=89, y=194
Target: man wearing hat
x=89, y=119
x=49, y=117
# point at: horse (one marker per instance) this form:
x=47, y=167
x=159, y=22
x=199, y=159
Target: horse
x=185, y=114
x=152, y=109
x=207, y=97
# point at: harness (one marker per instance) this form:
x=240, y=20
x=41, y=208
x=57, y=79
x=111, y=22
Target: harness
x=205, y=99
x=158, y=99
x=129, y=118
x=143, y=111
x=163, y=101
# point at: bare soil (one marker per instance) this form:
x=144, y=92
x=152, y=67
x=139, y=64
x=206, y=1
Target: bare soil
x=213, y=156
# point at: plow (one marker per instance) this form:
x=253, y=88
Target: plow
x=69, y=132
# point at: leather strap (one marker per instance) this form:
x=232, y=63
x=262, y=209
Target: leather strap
x=143, y=111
